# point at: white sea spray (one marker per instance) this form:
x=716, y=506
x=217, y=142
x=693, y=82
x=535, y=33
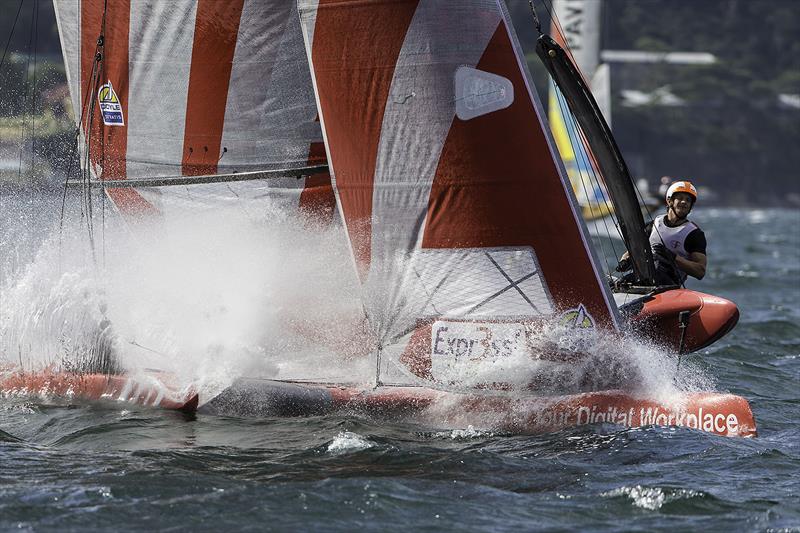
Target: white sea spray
x=347, y=441
x=207, y=296
x=651, y=498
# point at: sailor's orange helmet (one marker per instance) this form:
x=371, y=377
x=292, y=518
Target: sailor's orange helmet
x=682, y=186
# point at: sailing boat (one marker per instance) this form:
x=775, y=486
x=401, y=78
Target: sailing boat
x=464, y=230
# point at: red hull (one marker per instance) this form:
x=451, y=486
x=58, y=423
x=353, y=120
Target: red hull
x=710, y=318
x=147, y=390
x=722, y=414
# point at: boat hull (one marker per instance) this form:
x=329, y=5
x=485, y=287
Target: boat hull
x=150, y=390
x=721, y=414
x=710, y=318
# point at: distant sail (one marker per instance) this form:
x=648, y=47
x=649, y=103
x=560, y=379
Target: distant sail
x=462, y=221
x=576, y=26
x=194, y=87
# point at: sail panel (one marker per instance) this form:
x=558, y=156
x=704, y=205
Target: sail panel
x=446, y=174
x=418, y=117
x=107, y=144
x=497, y=184
x=215, y=41
x=354, y=107
x=158, y=104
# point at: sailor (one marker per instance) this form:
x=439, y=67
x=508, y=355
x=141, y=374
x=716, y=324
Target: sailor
x=678, y=244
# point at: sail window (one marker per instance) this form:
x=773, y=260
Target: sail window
x=479, y=93
x=481, y=283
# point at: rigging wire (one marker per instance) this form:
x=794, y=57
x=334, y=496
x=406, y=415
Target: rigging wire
x=582, y=158
x=86, y=167
x=595, y=182
x=103, y=191
x=33, y=89
x=86, y=122
x=581, y=161
x=25, y=101
x=10, y=35
x=83, y=120
x=643, y=204
x=639, y=194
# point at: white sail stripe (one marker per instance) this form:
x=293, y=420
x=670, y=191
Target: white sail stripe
x=407, y=161
x=270, y=108
x=551, y=145
x=68, y=20
x=159, y=85
x=307, y=13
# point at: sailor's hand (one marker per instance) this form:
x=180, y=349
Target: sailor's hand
x=661, y=250
x=624, y=264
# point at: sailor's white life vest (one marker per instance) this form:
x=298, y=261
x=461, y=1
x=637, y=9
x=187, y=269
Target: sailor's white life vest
x=672, y=238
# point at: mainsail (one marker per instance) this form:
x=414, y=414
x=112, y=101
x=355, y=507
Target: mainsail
x=195, y=88
x=462, y=221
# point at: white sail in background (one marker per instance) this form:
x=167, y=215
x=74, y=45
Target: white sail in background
x=192, y=87
x=577, y=24
x=460, y=217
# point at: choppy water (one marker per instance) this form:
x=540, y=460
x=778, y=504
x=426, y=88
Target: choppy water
x=99, y=467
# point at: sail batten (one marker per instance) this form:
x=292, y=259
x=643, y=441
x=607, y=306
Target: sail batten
x=209, y=178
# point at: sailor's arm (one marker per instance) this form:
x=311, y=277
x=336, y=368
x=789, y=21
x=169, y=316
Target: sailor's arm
x=695, y=266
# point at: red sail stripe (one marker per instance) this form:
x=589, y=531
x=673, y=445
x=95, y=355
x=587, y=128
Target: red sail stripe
x=215, y=35
x=353, y=97
x=516, y=197
x=108, y=144
x=317, y=201
x=115, y=70
x=130, y=202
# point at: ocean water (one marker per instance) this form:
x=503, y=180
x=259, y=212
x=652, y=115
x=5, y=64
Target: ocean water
x=76, y=466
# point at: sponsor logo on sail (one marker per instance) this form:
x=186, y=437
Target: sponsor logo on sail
x=476, y=340
x=479, y=93
x=110, y=106
x=578, y=318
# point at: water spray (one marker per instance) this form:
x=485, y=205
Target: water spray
x=683, y=323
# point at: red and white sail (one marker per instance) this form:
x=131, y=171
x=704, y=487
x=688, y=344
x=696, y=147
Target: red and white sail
x=462, y=221
x=194, y=87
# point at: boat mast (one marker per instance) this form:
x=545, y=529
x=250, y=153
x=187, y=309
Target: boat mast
x=615, y=172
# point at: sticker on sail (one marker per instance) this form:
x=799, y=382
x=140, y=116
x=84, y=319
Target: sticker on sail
x=578, y=318
x=479, y=93
x=474, y=341
x=110, y=106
